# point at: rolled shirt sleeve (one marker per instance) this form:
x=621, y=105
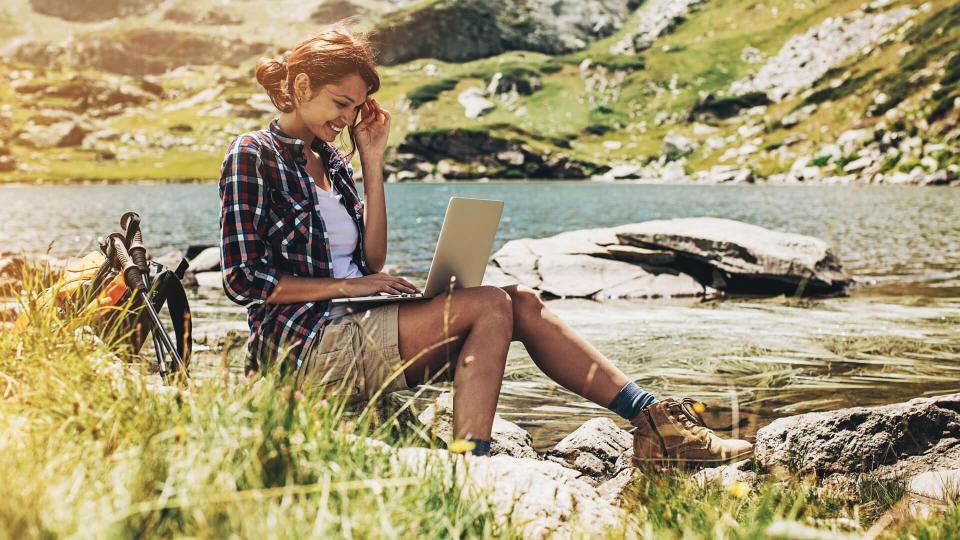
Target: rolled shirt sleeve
x=249, y=275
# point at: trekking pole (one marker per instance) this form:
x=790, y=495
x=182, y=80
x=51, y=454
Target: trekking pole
x=134, y=280
x=133, y=239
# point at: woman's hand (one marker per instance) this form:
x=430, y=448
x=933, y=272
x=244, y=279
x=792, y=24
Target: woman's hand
x=372, y=132
x=377, y=283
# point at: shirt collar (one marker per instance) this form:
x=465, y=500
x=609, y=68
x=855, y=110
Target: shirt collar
x=329, y=154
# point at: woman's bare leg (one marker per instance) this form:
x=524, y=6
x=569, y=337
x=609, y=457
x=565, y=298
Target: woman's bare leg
x=468, y=331
x=559, y=352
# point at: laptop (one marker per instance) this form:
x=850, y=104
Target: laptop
x=460, y=258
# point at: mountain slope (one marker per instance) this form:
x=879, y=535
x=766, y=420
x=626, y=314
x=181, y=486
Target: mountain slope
x=710, y=91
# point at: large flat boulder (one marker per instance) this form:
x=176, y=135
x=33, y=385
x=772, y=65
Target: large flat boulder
x=887, y=442
x=672, y=258
x=750, y=258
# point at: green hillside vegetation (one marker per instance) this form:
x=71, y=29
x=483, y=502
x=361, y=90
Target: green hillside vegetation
x=642, y=97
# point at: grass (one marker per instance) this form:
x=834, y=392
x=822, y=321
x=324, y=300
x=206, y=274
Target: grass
x=95, y=447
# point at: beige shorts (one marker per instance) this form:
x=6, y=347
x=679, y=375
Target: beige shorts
x=358, y=356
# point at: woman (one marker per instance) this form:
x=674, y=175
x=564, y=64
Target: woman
x=295, y=234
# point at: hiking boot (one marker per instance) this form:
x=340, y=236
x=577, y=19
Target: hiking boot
x=672, y=432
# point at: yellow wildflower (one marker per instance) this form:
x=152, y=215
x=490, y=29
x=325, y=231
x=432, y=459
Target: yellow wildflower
x=739, y=489
x=461, y=446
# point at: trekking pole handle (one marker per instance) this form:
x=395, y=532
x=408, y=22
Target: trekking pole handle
x=132, y=276
x=130, y=223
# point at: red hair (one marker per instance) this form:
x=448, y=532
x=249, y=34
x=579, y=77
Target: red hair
x=325, y=58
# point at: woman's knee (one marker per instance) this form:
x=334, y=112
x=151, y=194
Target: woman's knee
x=495, y=304
x=525, y=300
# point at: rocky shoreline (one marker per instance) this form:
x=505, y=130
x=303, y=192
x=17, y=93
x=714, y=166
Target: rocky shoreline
x=586, y=476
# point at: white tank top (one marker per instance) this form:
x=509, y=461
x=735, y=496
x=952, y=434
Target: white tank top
x=342, y=237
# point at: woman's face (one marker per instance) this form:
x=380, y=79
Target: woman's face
x=329, y=109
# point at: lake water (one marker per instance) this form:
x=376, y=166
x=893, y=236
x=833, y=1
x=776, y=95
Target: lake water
x=894, y=338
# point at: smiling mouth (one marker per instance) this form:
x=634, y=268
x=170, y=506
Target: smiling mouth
x=334, y=128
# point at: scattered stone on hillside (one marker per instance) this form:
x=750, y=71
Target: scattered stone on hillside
x=51, y=129
x=478, y=153
x=751, y=259
x=212, y=16
x=806, y=57
x=725, y=174
x=594, y=449
x=507, y=438
x=886, y=442
x=751, y=55
x=92, y=10
x=331, y=11
x=104, y=94
x=463, y=30
x=657, y=17
x=139, y=51
x=677, y=146
x=7, y=161
x=474, y=102
x=541, y=498
x=795, y=117
x=711, y=106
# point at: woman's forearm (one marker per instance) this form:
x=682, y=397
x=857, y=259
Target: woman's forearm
x=374, y=215
x=292, y=289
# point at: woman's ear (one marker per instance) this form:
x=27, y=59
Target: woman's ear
x=301, y=88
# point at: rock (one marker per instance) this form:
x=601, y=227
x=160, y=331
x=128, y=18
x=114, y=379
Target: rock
x=714, y=107
x=852, y=140
x=171, y=259
x=92, y=10
x=656, y=18
x=632, y=254
x=594, y=448
x=139, y=51
x=623, y=172
x=857, y=165
x=474, y=102
x=463, y=30
x=751, y=55
x=209, y=280
x=677, y=146
x=806, y=57
x=725, y=174
x=726, y=475
x=887, y=442
x=943, y=177
x=795, y=117
x=614, y=490
x=751, y=259
x=540, y=498
x=219, y=334
x=59, y=134
x=478, y=153
x=507, y=438
x=656, y=283
x=940, y=485
x=207, y=260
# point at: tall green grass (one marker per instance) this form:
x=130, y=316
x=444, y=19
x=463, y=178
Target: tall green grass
x=94, y=446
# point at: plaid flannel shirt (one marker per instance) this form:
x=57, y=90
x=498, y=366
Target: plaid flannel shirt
x=269, y=225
